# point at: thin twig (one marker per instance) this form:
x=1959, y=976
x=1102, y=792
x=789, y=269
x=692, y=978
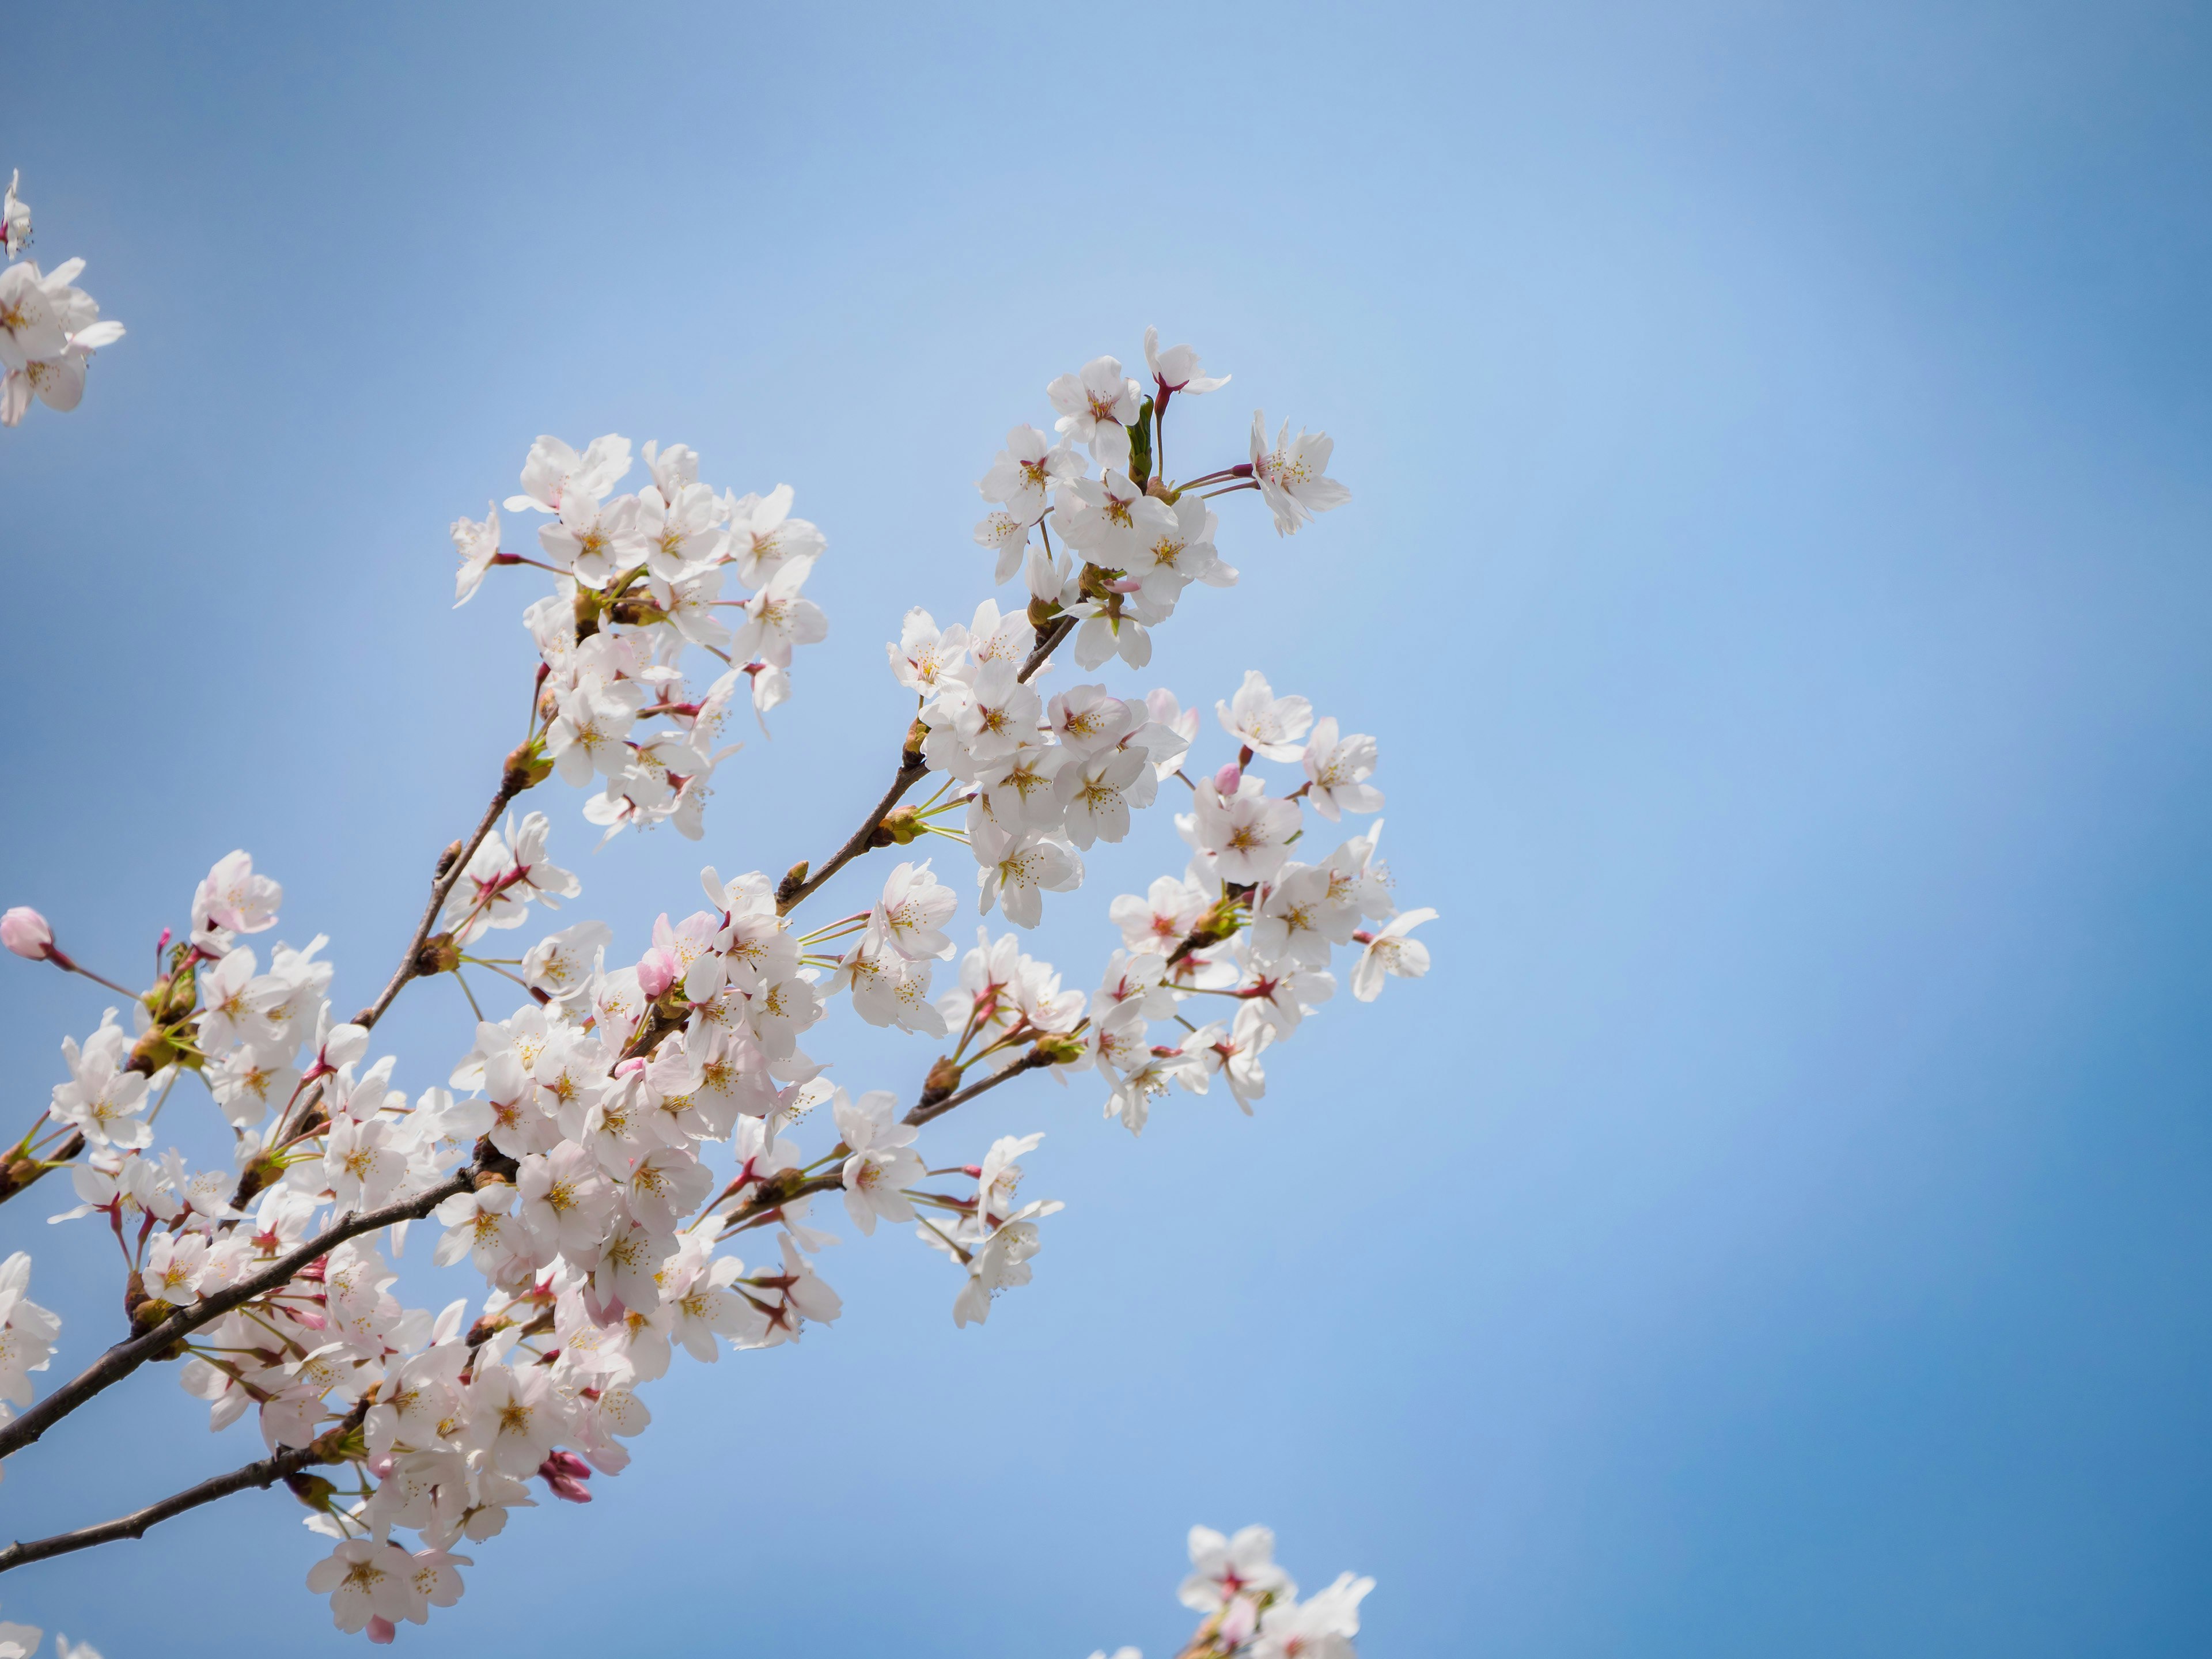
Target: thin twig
x=440, y=890
x=511, y=783
x=912, y=769
x=265, y=1474
x=791, y=894
x=1035, y=660
x=926, y=1109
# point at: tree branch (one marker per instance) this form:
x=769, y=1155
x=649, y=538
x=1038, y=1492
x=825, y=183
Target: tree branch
x=1045, y=646
x=18, y=1174
x=789, y=894
x=796, y=887
x=513, y=779
x=927, y=1108
x=511, y=783
x=266, y=1473
x=127, y=1357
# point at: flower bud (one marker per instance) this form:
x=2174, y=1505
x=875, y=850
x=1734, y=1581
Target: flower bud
x=787, y=890
x=943, y=1079
x=24, y=930
x=566, y=1473
x=310, y=1489
x=656, y=972
x=441, y=954
x=1225, y=781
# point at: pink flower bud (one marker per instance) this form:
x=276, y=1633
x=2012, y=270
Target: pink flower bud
x=1227, y=778
x=381, y=1630
x=566, y=1473
x=656, y=972
x=24, y=930
x=1239, y=1621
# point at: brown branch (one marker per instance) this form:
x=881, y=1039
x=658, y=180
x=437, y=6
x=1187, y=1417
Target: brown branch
x=512, y=782
x=776, y=1195
x=927, y=1108
x=127, y=1357
x=516, y=777
x=265, y=1474
x=19, y=1173
x=791, y=893
x=800, y=884
x=1046, y=644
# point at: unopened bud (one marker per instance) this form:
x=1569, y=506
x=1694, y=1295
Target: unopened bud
x=901, y=825
x=1058, y=1050
x=1228, y=779
x=310, y=1489
x=566, y=1473
x=184, y=995
x=527, y=767
x=656, y=972
x=446, y=859
x=24, y=930
x=944, y=1077
x=793, y=879
x=151, y=1053
x=441, y=954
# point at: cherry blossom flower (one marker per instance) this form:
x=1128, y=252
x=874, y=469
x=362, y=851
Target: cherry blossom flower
x=1016, y=872
x=1222, y=1568
x=1026, y=472
x=235, y=899
x=1269, y=725
x=1096, y=406
x=882, y=1161
x=15, y=217
x=477, y=545
x=365, y=1580
x=1175, y=369
x=1292, y=475
x=553, y=472
x=1391, y=952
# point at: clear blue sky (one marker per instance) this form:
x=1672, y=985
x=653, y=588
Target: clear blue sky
x=1778, y=575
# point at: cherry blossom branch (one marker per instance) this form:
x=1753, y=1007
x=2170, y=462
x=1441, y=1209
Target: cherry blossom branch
x=127, y=1357
x=265, y=1474
x=783, y=1187
x=517, y=776
x=513, y=782
x=796, y=887
x=799, y=883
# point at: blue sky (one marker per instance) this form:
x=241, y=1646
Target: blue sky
x=1777, y=575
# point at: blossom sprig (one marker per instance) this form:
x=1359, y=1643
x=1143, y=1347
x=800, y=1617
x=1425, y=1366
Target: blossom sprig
x=49, y=328
x=595, y=1155
x=639, y=580
x=1251, y=1607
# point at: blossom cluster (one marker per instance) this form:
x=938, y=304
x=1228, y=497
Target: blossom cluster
x=49, y=328
x=1251, y=1606
x=638, y=579
x=595, y=1152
